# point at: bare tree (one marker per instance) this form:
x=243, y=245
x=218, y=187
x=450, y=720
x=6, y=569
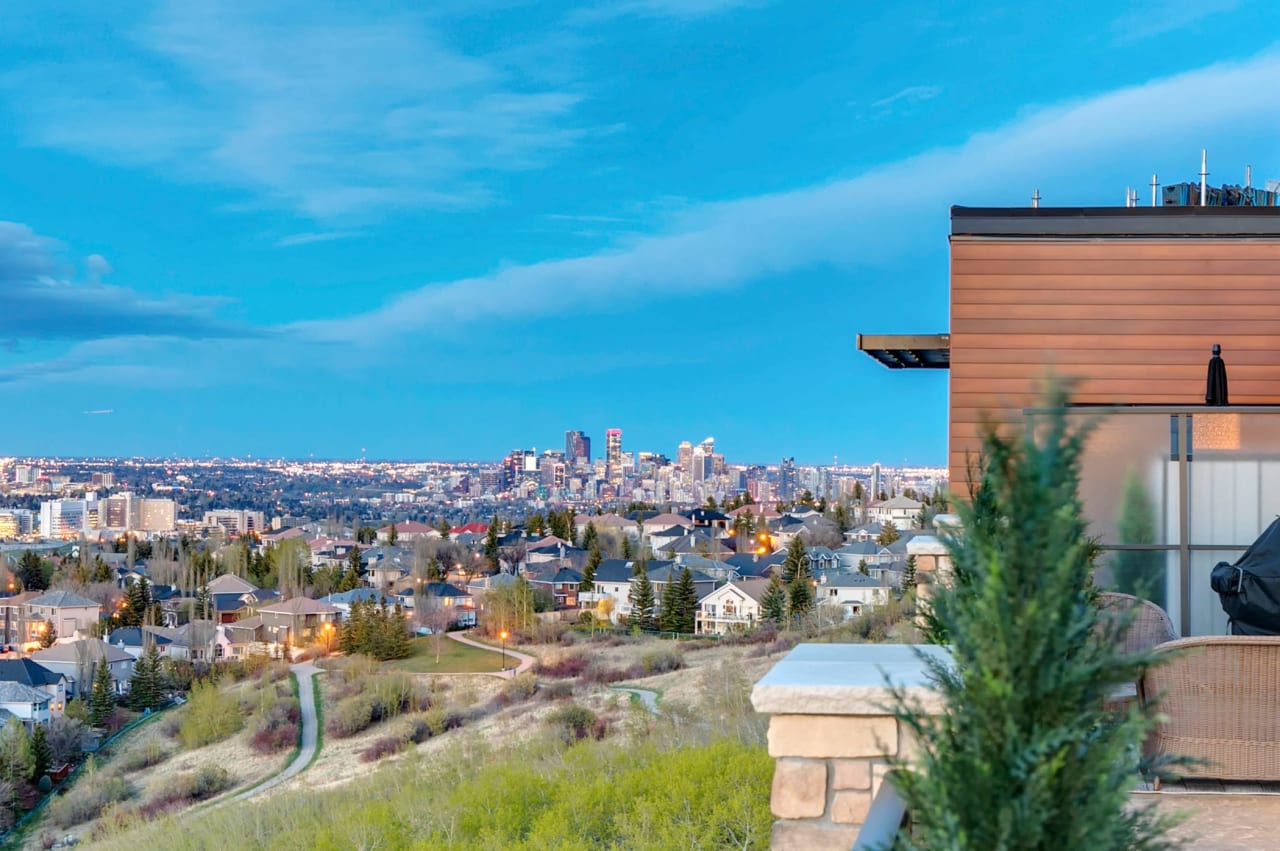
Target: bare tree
x=438, y=618
x=512, y=556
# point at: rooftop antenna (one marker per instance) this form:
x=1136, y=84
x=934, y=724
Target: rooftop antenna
x=1248, y=177
x=1128, y=197
x=1204, y=163
x=1155, y=185
x=1035, y=199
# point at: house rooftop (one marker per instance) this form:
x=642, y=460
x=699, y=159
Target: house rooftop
x=1166, y=221
x=61, y=599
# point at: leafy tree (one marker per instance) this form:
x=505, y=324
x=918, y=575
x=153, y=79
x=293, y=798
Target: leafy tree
x=1031, y=658
x=102, y=700
x=773, y=605
x=796, y=559
x=711, y=504
x=434, y=571
x=888, y=534
x=858, y=492
x=641, y=598
x=41, y=752
x=535, y=523
x=842, y=518
x=16, y=757
x=594, y=560
x=800, y=595
x=101, y=570
x=1137, y=572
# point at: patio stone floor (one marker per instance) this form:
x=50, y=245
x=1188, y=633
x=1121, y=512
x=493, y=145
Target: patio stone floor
x=1220, y=816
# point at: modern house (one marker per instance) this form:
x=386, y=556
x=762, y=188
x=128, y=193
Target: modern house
x=27, y=704
x=901, y=511
x=851, y=592
x=1128, y=303
x=298, y=621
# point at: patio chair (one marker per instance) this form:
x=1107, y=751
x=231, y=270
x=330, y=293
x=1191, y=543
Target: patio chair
x=1218, y=698
x=1150, y=626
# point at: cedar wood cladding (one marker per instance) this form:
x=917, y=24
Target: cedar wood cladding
x=1133, y=318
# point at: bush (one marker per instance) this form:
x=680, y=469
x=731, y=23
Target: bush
x=209, y=716
x=662, y=661
x=574, y=721
x=562, y=666
x=384, y=747
x=143, y=756
x=351, y=716
x=198, y=785
x=604, y=675
x=275, y=739
x=88, y=798
x=520, y=687
x=556, y=691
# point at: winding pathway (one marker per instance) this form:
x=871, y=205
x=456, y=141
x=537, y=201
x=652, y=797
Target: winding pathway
x=305, y=672
x=526, y=661
x=648, y=698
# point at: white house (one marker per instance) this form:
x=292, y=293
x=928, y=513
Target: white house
x=735, y=606
x=851, y=592
x=27, y=704
x=612, y=581
x=901, y=511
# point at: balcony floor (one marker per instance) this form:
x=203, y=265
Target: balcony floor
x=1219, y=816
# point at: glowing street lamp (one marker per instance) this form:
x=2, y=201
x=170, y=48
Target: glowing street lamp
x=503, y=636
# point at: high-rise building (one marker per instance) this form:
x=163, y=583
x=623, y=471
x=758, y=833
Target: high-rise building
x=103, y=480
x=234, y=521
x=156, y=515
x=119, y=512
x=876, y=484
x=684, y=457
x=577, y=447
x=16, y=521
x=613, y=453
x=787, y=479
x=699, y=464
x=24, y=474
x=64, y=518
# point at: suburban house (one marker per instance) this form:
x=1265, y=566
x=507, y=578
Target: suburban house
x=754, y=564
x=562, y=585
x=735, y=606
x=13, y=617
x=68, y=613
x=29, y=705
x=901, y=511
x=342, y=600
x=30, y=673
x=612, y=582
x=851, y=592
x=663, y=521
x=667, y=572
x=409, y=530
x=298, y=621
x=820, y=559
x=441, y=596
x=77, y=659
x=706, y=518
x=660, y=539
x=241, y=638
x=192, y=641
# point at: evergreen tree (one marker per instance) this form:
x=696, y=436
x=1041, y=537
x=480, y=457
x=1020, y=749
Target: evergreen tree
x=686, y=615
x=101, y=570
x=641, y=598
x=1137, y=572
x=49, y=635
x=1025, y=752
x=15, y=752
x=491, y=547
x=589, y=536
x=102, y=700
x=799, y=595
x=443, y=527
x=535, y=523
x=349, y=580
x=888, y=534
x=862, y=567
x=589, y=572
x=144, y=685
x=773, y=605
x=669, y=615
x=41, y=753
x=434, y=573
x=627, y=550
x=204, y=605
x=796, y=559
x=398, y=646
x=392, y=535
x=31, y=572
x=353, y=562
x=347, y=640
x=909, y=575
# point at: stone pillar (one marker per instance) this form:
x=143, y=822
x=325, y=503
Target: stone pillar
x=831, y=731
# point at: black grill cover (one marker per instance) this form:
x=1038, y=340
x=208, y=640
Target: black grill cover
x=1250, y=588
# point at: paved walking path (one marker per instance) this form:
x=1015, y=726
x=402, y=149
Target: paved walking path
x=648, y=697
x=525, y=660
x=305, y=672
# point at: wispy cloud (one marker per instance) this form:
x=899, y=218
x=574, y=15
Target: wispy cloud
x=326, y=115
x=681, y=9
x=879, y=218
x=101, y=412
x=909, y=96
x=319, y=236
x=1157, y=17
x=42, y=300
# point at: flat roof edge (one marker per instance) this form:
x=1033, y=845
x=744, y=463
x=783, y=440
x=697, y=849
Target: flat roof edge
x=1116, y=221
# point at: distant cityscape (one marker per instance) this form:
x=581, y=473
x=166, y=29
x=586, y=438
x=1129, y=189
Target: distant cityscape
x=65, y=498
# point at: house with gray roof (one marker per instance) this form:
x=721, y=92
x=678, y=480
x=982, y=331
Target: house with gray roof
x=29, y=672
x=70, y=614
x=27, y=704
x=77, y=660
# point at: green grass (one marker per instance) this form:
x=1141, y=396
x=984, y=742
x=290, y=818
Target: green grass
x=455, y=658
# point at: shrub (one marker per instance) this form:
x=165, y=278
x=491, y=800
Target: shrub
x=556, y=691
x=384, y=747
x=662, y=661
x=143, y=756
x=574, y=721
x=198, y=785
x=209, y=716
x=603, y=675
x=351, y=716
x=520, y=687
x=275, y=739
x=88, y=798
x=564, y=665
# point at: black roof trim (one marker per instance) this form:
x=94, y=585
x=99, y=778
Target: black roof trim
x=1116, y=221
x=908, y=351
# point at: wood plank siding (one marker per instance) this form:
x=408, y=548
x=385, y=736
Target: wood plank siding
x=1133, y=319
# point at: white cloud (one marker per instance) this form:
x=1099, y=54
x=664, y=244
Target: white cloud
x=1157, y=17
x=909, y=95
x=327, y=116
x=319, y=236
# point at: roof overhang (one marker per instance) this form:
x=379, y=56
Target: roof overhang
x=908, y=351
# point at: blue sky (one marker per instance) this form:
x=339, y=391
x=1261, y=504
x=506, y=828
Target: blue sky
x=285, y=229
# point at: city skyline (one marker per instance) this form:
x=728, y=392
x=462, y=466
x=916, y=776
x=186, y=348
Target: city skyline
x=460, y=223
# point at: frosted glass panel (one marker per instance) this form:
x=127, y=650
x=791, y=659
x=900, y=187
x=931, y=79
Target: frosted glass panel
x=1125, y=480
x=1207, y=616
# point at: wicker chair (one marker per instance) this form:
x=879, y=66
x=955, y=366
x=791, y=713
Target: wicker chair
x=1218, y=700
x=1150, y=625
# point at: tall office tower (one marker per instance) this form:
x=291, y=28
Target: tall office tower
x=876, y=484
x=613, y=454
x=698, y=471
x=684, y=457
x=577, y=447
x=24, y=474
x=709, y=447
x=63, y=518
x=119, y=512
x=787, y=479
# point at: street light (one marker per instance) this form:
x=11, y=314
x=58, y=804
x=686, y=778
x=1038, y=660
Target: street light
x=503, y=636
